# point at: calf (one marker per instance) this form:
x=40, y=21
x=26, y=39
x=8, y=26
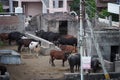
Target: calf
x=60, y=55
x=30, y=43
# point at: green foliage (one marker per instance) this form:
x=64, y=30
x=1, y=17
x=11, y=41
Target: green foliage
x=104, y=13
x=75, y=6
x=1, y=7
x=89, y=5
x=91, y=8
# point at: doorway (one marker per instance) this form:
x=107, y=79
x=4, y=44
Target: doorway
x=63, y=27
x=114, y=51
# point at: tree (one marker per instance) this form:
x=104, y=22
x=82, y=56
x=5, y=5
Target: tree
x=89, y=5
x=104, y=13
x=91, y=9
x=1, y=7
x=75, y=6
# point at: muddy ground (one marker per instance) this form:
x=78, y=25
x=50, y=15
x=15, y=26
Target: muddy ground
x=35, y=68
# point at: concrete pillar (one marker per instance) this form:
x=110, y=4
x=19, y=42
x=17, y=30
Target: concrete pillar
x=19, y=3
x=50, y=6
x=65, y=4
x=44, y=9
x=56, y=3
x=21, y=27
x=11, y=6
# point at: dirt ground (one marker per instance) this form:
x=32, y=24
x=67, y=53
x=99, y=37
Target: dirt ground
x=35, y=68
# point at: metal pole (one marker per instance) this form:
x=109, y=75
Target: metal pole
x=119, y=16
x=80, y=40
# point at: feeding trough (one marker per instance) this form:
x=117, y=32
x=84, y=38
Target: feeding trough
x=10, y=57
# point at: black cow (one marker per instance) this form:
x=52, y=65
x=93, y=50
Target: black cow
x=67, y=41
x=74, y=60
x=42, y=34
x=95, y=65
x=3, y=69
x=50, y=36
x=15, y=36
x=39, y=33
x=30, y=43
x=53, y=36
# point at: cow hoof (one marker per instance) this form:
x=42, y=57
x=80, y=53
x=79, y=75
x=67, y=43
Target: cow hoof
x=63, y=66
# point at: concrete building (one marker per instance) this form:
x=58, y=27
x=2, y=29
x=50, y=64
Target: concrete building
x=102, y=4
x=35, y=7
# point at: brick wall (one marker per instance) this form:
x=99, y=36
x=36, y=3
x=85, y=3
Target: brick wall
x=9, y=20
x=10, y=23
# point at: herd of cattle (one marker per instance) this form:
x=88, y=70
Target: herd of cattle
x=20, y=39
x=67, y=44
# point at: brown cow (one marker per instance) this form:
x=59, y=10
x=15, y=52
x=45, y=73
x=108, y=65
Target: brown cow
x=4, y=36
x=68, y=48
x=60, y=55
x=68, y=36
